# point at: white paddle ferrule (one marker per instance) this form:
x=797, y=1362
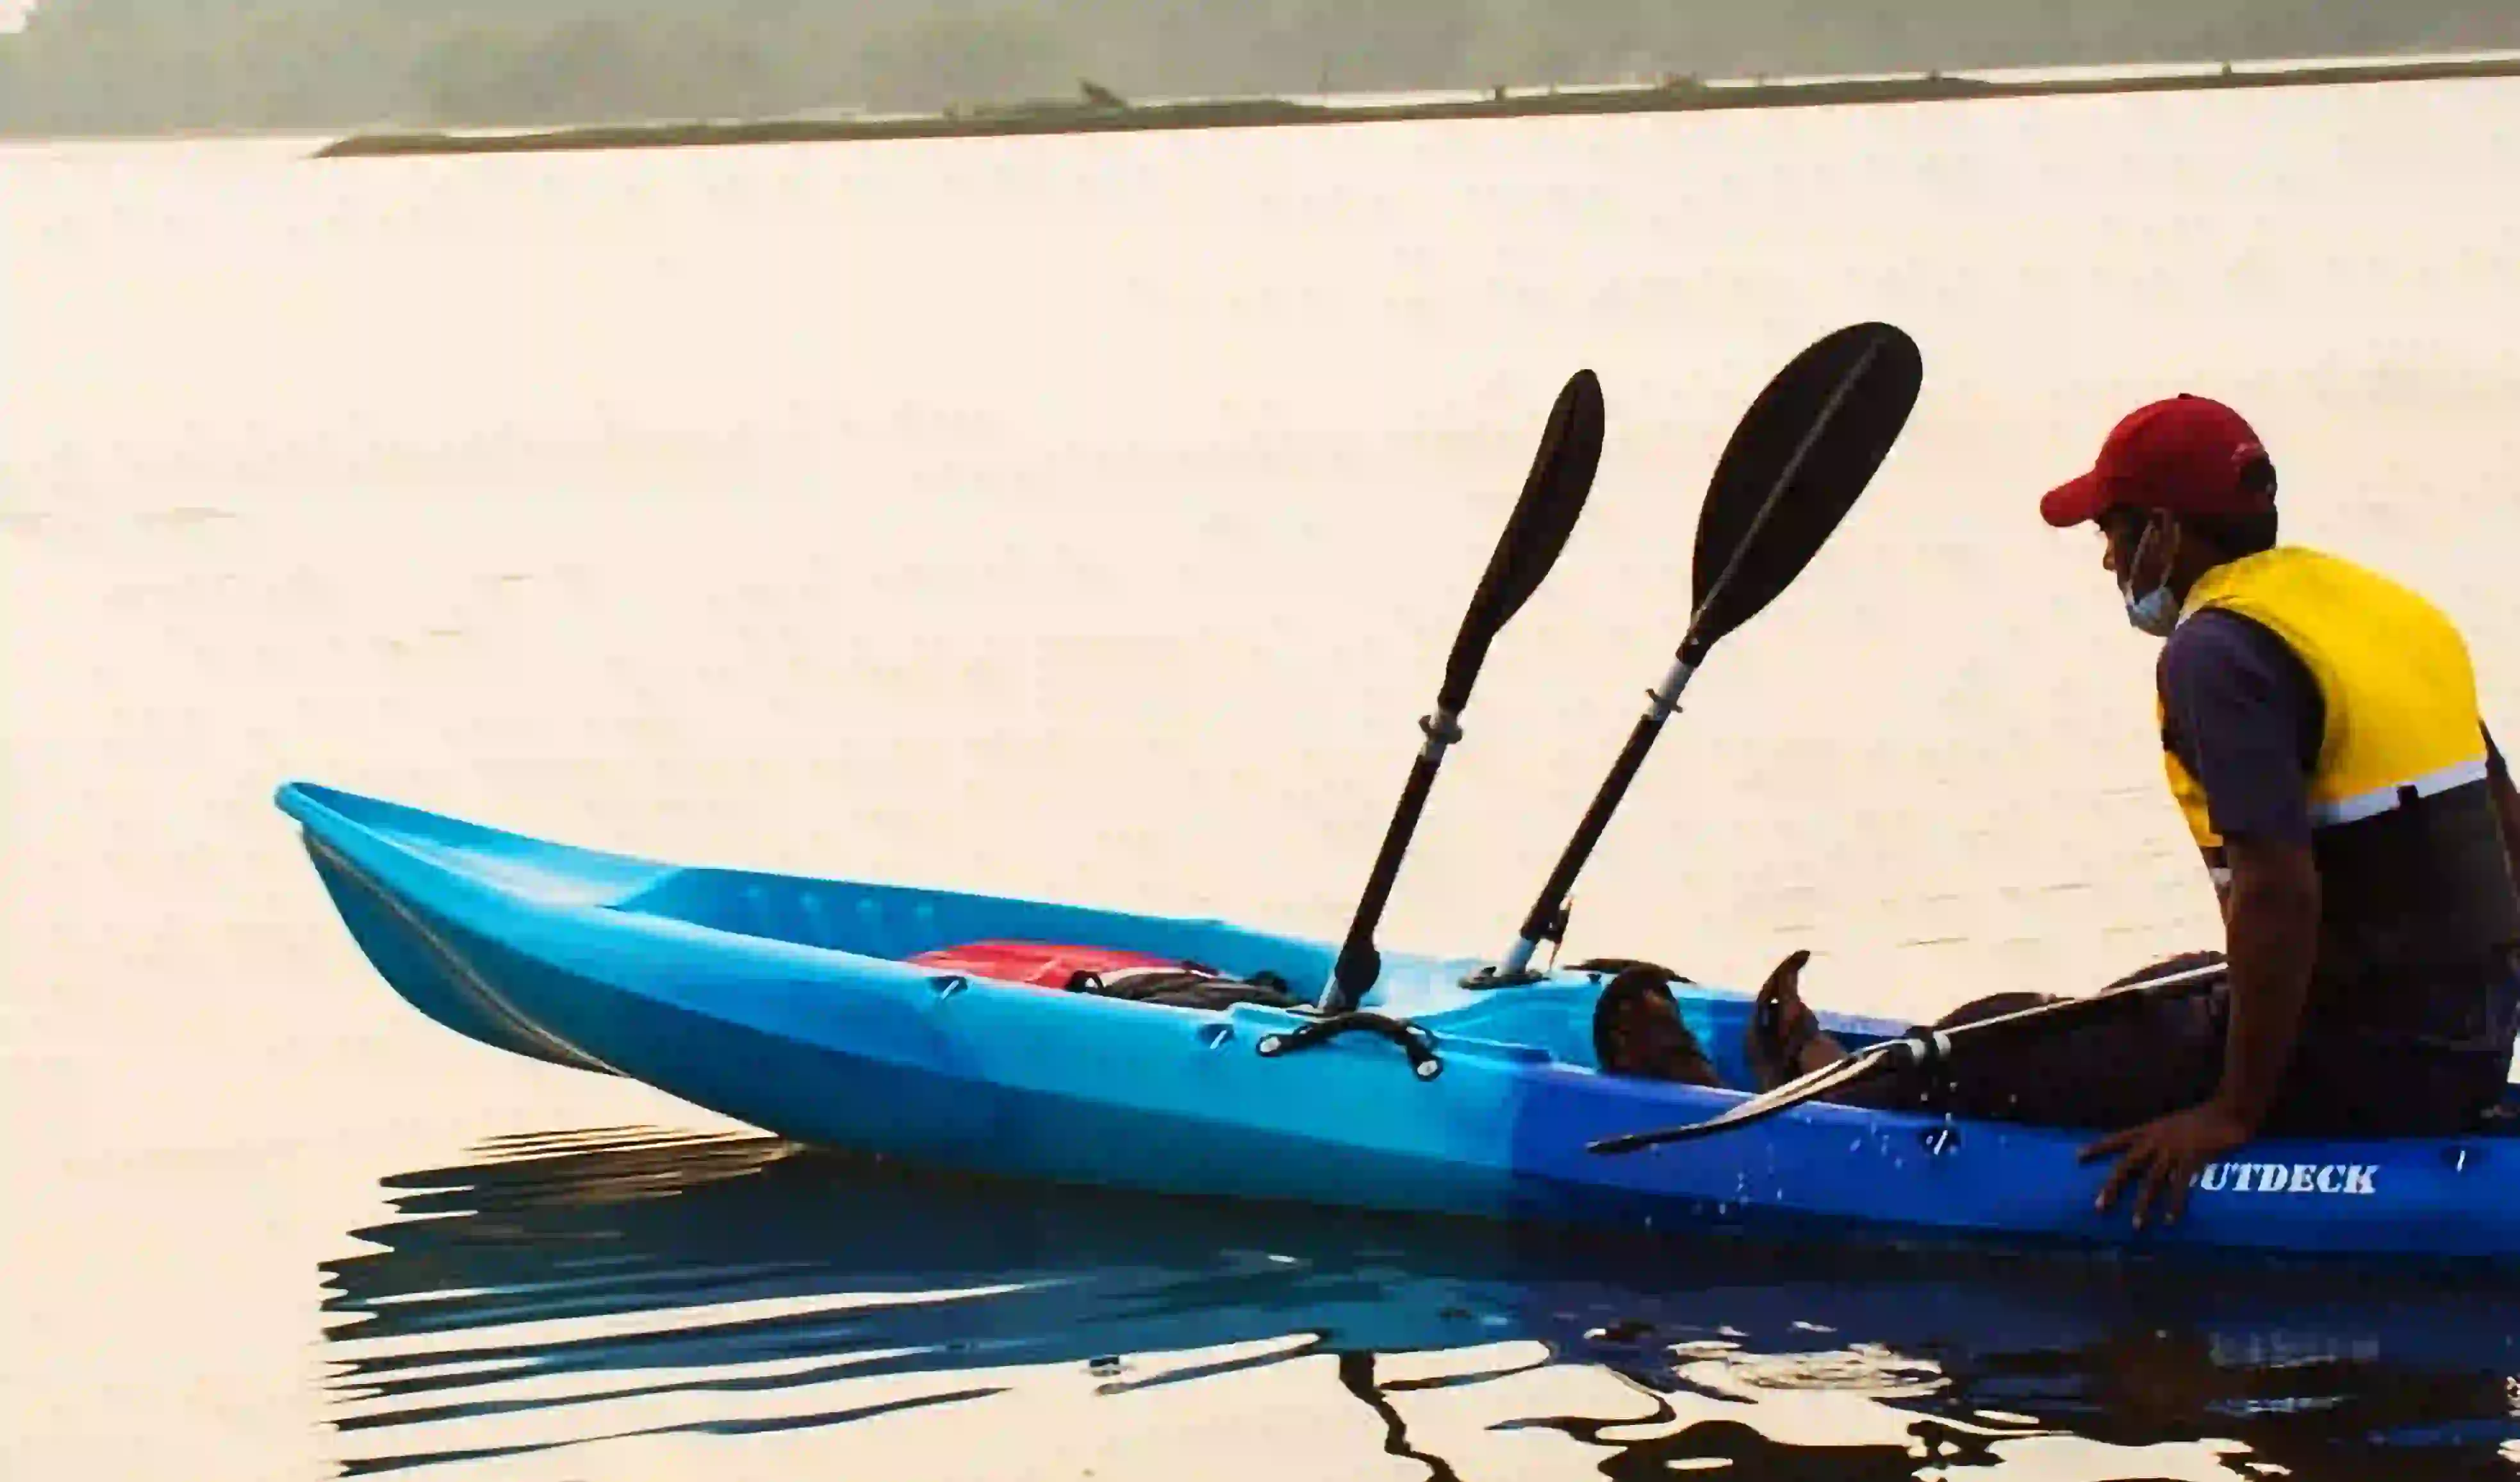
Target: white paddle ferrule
x=1443, y=728
x=1516, y=958
x=1666, y=697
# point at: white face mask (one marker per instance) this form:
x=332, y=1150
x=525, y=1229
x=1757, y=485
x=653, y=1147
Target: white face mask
x=2156, y=612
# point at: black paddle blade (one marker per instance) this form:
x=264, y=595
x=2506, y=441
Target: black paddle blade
x=1801, y=455
x=1553, y=496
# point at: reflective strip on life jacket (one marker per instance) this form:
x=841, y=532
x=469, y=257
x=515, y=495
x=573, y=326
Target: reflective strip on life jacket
x=2380, y=800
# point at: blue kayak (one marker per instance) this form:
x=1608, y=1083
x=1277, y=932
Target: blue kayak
x=791, y=1004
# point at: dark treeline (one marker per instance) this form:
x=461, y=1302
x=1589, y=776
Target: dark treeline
x=144, y=66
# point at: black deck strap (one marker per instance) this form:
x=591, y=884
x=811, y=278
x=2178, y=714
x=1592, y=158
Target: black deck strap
x=1417, y=1042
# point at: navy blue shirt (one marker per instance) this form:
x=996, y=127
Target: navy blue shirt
x=2244, y=717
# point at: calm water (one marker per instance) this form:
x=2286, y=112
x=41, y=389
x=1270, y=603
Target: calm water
x=1088, y=518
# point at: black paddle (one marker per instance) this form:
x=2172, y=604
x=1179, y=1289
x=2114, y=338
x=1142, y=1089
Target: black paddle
x=1553, y=495
x=1924, y=1047
x=1802, y=453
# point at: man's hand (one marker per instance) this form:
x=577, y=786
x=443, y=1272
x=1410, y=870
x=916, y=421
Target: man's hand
x=2165, y=1155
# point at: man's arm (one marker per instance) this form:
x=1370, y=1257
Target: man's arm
x=2245, y=708
x=2273, y=940
x=2250, y=713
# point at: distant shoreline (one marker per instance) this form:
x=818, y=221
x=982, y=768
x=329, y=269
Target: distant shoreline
x=1060, y=117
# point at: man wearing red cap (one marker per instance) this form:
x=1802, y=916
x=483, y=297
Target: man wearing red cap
x=2320, y=733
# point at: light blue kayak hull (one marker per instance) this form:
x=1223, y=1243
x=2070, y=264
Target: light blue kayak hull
x=781, y=1002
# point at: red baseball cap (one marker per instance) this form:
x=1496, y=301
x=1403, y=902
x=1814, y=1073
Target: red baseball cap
x=2187, y=454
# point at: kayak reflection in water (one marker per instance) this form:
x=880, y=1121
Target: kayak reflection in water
x=2321, y=737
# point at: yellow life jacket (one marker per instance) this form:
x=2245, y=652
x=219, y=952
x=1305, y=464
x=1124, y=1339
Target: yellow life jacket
x=2409, y=850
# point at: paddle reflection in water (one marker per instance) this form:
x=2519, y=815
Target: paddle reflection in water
x=621, y=1283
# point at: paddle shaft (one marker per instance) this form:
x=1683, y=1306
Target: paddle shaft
x=1542, y=917
x=1538, y=923
x=1359, y=962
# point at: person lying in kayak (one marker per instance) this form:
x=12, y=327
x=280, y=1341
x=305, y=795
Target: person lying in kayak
x=2094, y=1075
x=2321, y=738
